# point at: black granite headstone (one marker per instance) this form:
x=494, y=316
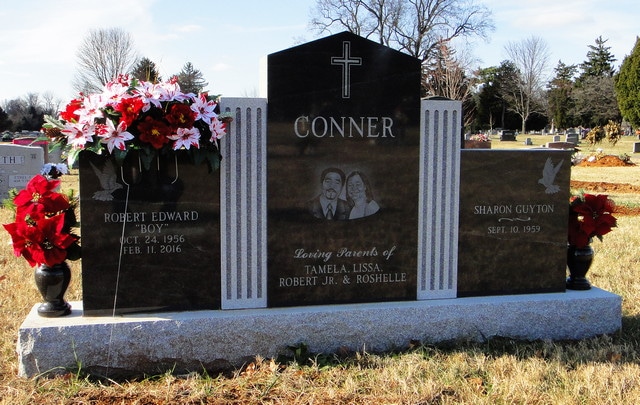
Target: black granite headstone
x=514, y=208
x=150, y=238
x=508, y=136
x=343, y=173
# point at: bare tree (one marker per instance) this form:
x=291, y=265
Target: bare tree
x=27, y=112
x=530, y=57
x=50, y=103
x=103, y=55
x=416, y=27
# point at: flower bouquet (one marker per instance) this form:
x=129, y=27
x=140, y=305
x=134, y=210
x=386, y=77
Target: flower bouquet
x=480, y=138
x=589, y=216
x=153, y=118
x=42, y=234
x=478, y=141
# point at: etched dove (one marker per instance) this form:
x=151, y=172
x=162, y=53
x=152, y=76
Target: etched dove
x=549, y=176
x=107, y=177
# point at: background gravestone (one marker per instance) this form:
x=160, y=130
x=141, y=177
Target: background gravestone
x=514, y=209
x=348, y=103
x=167, y=218
x=18, y=164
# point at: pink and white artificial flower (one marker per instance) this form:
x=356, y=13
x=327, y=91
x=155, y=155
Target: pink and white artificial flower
x=170, y=91
x=116, y=90
x=112, y=136
x=204, y=108
x=186, y=137
x=78, y=134
x=218, y=129
x=91, y=109
x=150, y=94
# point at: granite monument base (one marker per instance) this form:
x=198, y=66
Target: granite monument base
x=199, y=340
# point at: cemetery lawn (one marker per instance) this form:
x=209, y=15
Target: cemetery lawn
x=600, y=370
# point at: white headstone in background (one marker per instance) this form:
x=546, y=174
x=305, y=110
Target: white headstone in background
x=18, y=164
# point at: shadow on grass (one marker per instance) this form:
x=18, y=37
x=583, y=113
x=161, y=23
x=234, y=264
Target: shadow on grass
x=620, y=347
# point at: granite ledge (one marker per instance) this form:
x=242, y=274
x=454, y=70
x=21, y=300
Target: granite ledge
x=191, y=341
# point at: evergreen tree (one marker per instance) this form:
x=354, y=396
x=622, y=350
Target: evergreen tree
x=599, y=60
x=559, y=95
x=491, y=104
x=595, y=101
x=508, y=81
x=5, y=121
x=191, y=79
x=146, y=70
x=488, y=100
x=627, y=85
x=594, y=94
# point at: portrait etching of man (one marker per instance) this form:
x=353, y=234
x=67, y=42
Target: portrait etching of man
x=343, y=197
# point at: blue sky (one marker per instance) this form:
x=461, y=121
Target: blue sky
x=227, y=39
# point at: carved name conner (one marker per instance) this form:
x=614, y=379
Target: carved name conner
x=344, y=127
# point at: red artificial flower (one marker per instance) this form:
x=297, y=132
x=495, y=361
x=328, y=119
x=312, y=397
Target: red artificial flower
x=38, y=198
x=55, y=242
x=69, y=113
x=25, y=240
x=181, y=116
x=589, y=217
x=154, y=132
x=44, y=242
x=129, y=108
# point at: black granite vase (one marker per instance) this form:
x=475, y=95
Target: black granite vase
x=579, y=260
x=52, y=282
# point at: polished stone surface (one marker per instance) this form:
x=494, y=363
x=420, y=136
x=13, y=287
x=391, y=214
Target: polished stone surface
x=346, y=103
x=514, y=207
x=167, y=217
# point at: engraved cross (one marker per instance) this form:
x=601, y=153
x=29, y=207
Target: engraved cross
x=346, y=61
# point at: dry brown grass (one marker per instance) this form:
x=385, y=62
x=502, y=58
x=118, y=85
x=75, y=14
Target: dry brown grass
x=601, y=370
